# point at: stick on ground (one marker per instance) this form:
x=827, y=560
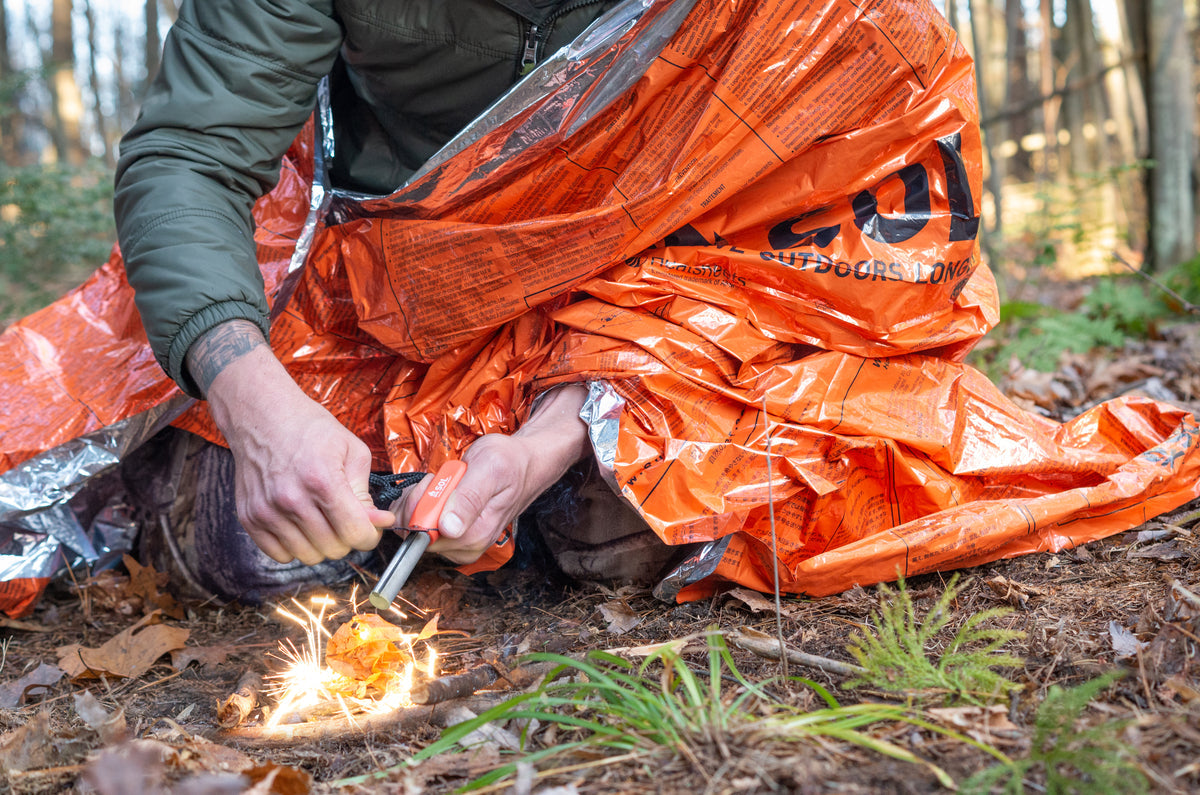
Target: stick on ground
x=769, y=647
x=456, y=686
x=235, y=709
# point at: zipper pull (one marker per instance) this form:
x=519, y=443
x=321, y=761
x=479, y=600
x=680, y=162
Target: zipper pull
x=530, y=54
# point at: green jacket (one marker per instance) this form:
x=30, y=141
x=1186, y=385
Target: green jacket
x=237, y=82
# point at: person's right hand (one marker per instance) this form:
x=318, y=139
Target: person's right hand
x=302, y=477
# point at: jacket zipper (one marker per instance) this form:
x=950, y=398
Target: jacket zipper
x=536, y=36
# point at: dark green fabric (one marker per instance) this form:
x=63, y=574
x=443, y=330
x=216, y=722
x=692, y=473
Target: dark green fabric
x=238, y=80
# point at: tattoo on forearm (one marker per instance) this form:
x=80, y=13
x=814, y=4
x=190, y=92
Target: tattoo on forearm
x=218, y=348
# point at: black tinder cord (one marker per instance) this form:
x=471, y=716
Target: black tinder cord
x=387, y=487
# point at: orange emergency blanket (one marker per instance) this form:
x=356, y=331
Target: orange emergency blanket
x=751, y=227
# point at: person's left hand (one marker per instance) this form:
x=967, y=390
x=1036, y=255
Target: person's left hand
x=507, y=473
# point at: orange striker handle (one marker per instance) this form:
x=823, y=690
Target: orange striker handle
x=429, y=508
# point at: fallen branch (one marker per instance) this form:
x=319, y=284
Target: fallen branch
x=234, y=710
x=455, y=686
x=1185, y=594
x=769, y=648
x=351, y=726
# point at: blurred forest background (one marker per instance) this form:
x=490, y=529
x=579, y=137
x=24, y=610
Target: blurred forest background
x=1088, y=107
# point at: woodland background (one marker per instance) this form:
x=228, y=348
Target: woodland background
x=1088, y=107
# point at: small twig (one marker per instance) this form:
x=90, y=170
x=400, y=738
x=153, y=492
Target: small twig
x=349, y=726
x=454, y=686
x=234, y=710
x=1187, y=595
x=1184, y=518
x=769, y=648
x=774, y=538
x=1186, y=304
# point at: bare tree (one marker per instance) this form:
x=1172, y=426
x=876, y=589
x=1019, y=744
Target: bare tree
x=1172, y=98
x=100, y=118
x=976, y=10
x=1050, y=99
x=8, y=92
x=67, y=100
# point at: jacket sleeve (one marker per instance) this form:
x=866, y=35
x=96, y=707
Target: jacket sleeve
x=237, y=81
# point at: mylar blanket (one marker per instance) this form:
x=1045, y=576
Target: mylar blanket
x=751, y=229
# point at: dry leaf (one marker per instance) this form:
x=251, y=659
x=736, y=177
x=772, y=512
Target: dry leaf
x=760, y=603
x=1168, y=550
x=109, y=725
x=136, y=766
x=29, y=747
x=1124, y=642
x=130, y=653
x=366, y=646
x=146, y=582
x=272, y=779
x=205, y=655
x=989, y=725
x=620, y=616
x=235, y=709
x=34, y=683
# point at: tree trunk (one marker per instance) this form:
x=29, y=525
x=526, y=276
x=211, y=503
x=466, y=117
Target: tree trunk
x=100, y=117
x=67, y=101
x=8, y=95
x=1172, y=142
x=978, y=42
x=1050, y=102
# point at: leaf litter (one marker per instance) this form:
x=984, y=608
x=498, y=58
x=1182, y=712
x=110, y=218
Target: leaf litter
x=140, y=678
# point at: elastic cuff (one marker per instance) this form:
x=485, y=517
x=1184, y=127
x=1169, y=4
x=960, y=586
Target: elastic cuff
x=201, y=323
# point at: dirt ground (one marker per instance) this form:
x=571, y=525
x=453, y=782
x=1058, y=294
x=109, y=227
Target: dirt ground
x=1130, y=603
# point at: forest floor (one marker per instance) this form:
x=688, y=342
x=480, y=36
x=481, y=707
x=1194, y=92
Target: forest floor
x=1129, y=603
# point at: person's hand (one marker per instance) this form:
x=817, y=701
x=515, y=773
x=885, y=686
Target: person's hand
x=507, y=473
x=302, y=477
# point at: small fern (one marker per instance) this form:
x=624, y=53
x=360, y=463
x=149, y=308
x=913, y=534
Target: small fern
x=1091, y=760
x=893, y=651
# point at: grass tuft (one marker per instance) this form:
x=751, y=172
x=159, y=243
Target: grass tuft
x=1071, y=758
x=893, y=650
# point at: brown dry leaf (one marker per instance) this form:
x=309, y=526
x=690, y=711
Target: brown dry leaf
x=147, y=583
x=989, y=725
x=34, y=683
x=29, y=747
x=205, y=655
x=365, y=646
x=272, y=779
x=620, y=617
x=439, y=592
x=136, y=766
x=109, y=725
x=196, y=754
x=1168, y=550
x=130, y=653
x=1179, y=686
x=1107, y=379
x=1013, y=592
x=759, y=603
x=1042, y=389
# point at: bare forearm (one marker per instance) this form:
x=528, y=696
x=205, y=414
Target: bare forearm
x=221, y=347
x=555, y=434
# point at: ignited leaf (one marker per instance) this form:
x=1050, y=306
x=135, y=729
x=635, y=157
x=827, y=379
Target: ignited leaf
x=366, y=646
